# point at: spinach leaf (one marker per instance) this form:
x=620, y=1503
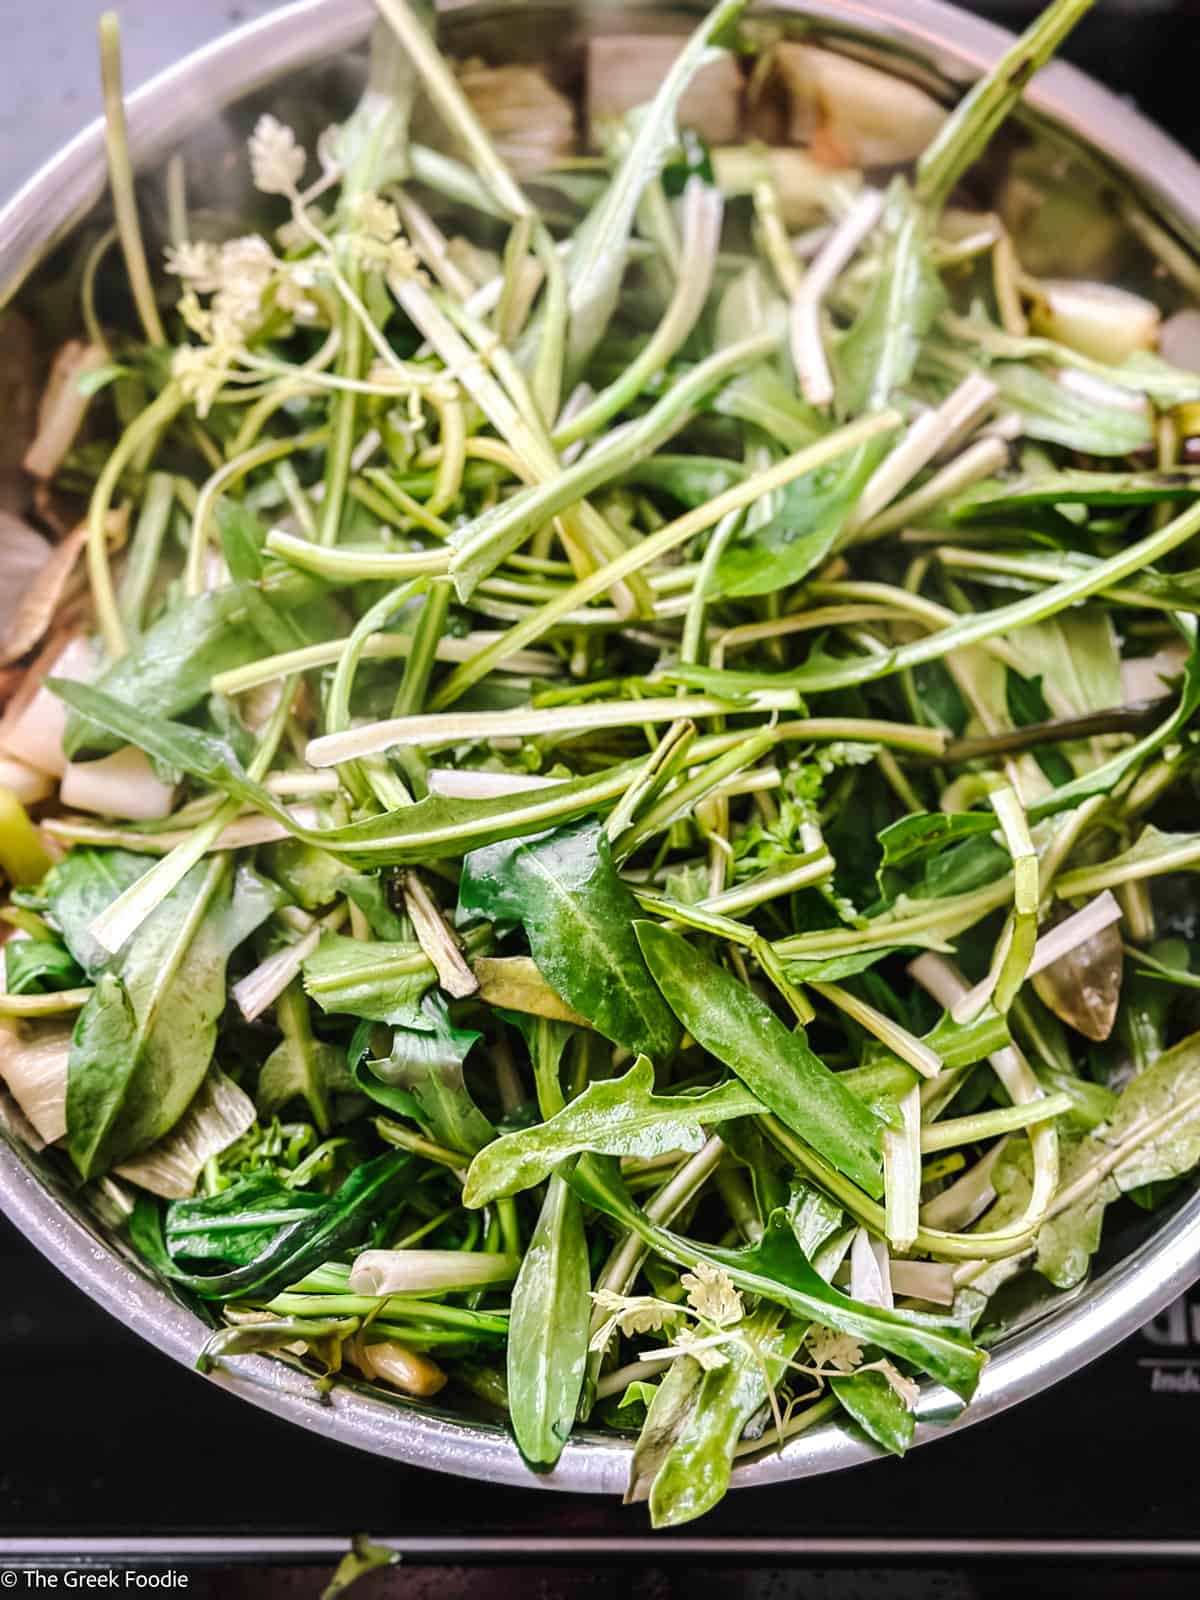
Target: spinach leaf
x=145, y=1038
x=236, y=1225
x=319, y=1234
x=370, y=979
x=82, y=885
x=879, y=1411
x=548, y=1328
x=428, y=1066
x=776, y=1065
x=578, y=916
x=38, y=966
x=615, y=1117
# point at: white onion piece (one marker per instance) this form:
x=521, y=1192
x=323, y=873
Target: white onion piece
x=34, y=1066
x=387, y=1272
x=1179, y=341
x=870, y=1271
x=626, y=70
x=967, y=1198
x=121, y=785
x=219, y=1114
x=924, y=1280
x=1149, y=677
x=35, y=734
x=851, y=114
x=467, y=785
x=27, y=783
x=63, y=406
x=1097, y=319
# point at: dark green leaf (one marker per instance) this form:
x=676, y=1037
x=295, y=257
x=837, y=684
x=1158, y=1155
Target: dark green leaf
x=877, y=1408
x=38, y=966
x=548, y=1328
x=778, y=1068
x=800, y=535
x=321, y=1234
x=776, y=1269
x=578, y=916
x=695, y=1470
x=428, y=1065
x=235, y=1226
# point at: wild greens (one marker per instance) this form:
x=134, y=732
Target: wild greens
x=640, y=683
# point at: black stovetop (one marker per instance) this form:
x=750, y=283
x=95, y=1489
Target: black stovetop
x=106, y=1439
x=105, y=1444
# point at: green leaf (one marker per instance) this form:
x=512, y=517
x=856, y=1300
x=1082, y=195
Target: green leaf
x=80, y=887
x=815, y=1218
x=1157, y=1121
x=300, y=1067
x=370, y=979
x=1072, y=487
x=235, y=1226
x=778, y=1068
x=696, y=1469
x=435, y=829
x=1102, y=779
x=171, y=667
x=777, y=1269
x=926, y=833
x=674, y=1401
x=321, y=1234
x=145, y=1038
x=615, y=1117
x=578, y=916
x=428, y=1065
x=877, y=1408
x=596, y=264
x=39, y=966
x=800, y=535
x=879, y=353
x=548, y=1328
x=1059, y=415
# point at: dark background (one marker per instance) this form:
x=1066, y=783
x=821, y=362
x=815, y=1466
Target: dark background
x=1091, y=1487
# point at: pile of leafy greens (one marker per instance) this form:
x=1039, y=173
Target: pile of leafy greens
x=610, y=827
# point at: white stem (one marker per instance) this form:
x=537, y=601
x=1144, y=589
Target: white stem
x=808, y=349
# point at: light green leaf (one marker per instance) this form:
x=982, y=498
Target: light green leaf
x=616, y=1117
